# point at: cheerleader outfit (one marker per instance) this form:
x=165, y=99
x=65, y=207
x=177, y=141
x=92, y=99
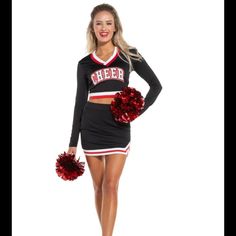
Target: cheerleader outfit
x=100, y=133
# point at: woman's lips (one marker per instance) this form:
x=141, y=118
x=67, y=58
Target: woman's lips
x=103, y=34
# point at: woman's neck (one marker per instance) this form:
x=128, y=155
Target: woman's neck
x=105, y=48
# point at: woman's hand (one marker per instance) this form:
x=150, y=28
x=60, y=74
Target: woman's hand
x=72, y=150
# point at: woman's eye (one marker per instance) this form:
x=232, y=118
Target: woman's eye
x=99, y=23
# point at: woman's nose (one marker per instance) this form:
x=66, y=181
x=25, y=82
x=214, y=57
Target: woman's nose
x=103, y=26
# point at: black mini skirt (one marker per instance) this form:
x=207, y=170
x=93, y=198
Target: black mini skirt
x=101, y=134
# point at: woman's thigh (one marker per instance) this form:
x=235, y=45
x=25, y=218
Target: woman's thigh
x=96, y=166
x=114, y=165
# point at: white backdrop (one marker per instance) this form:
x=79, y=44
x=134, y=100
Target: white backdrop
x=172, y=184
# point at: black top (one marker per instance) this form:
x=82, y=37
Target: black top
x=95, y=75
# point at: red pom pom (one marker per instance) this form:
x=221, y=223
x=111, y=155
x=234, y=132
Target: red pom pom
x=68, y=168
x=127, y=105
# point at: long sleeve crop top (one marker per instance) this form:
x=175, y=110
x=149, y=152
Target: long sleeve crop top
x=95, y=76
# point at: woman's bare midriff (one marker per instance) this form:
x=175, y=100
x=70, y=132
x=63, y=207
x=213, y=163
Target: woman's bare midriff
x=101, y=100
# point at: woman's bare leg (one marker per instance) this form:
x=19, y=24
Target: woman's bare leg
x=97, y=170
x=113, y=168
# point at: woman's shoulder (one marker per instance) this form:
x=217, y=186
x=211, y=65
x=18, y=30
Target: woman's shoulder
x=134, y=54
x=84, y=60
x=133, y=50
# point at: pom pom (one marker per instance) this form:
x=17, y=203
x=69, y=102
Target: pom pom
x=68, y=168
x=127, y=105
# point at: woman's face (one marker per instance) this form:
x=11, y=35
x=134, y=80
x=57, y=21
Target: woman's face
x=104, y=26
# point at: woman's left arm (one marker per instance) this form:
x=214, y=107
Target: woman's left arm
x=144, y=71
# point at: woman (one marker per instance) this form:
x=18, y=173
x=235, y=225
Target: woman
x=99, y=76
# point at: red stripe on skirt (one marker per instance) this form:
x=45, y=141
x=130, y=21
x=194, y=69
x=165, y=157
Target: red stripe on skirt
x=117, y=150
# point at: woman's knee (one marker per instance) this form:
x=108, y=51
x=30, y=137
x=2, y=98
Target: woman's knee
x=97, y=187
x=110, y=186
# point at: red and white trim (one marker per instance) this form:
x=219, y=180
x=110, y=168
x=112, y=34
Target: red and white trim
x=98, y=60
x=103, y=94
x=108, y=151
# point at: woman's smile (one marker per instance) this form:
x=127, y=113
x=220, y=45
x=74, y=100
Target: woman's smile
x=104, y=34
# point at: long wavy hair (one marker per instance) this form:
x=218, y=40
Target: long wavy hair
x=117, y=38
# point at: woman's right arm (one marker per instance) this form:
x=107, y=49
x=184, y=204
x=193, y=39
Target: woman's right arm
x=80, y=101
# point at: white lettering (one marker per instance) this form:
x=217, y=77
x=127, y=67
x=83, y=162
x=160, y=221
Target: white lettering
x=99, y=75
x=94, y=78
x=121, y=74
x=106, y=74
x=113, y=73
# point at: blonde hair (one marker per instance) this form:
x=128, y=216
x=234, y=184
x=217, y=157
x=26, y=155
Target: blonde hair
x=117, y=39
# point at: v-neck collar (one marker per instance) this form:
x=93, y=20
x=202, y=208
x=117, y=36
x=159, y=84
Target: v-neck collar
x=98, y=60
